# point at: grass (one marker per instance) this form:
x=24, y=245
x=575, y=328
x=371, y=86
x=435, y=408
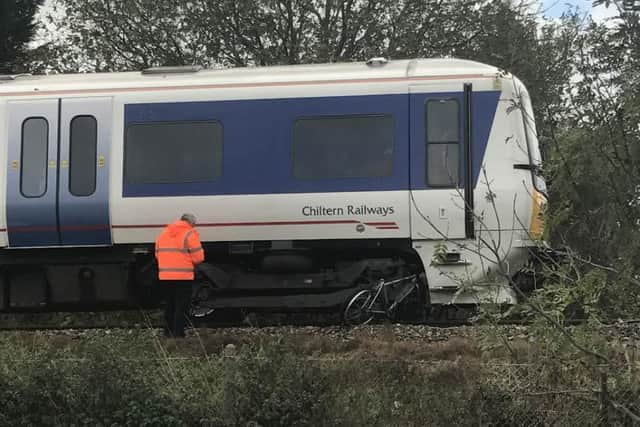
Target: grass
x=229, y=378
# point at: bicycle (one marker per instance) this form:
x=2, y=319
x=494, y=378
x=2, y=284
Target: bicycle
x=200, y=297
x=383, y=299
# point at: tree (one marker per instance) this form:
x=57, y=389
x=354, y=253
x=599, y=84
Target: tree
x=114, y=35
x=595, y=161
x=16, y=29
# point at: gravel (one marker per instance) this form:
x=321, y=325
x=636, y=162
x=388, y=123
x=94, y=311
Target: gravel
x=625, y=332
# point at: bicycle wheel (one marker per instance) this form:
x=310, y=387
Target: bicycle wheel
x=202, y=293
x=357, y=311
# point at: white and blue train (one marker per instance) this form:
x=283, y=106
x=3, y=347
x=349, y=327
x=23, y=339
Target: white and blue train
x=309, y=182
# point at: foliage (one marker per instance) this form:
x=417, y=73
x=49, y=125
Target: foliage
x=134, y=379
x=594, y=165
x=42, y=390
x=16, y=29
x=270, y=386
x=109, y=35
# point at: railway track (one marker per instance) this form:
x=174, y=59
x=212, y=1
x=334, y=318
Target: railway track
x=369, y=336
x=145, y=318
x=153, y=318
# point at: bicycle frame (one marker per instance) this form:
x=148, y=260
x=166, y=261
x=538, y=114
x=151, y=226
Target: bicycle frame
x=382, y=288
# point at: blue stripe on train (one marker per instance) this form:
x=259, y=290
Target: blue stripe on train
x=257, y=141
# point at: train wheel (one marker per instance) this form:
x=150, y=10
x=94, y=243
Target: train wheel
x=357, y=311
x=416, y=308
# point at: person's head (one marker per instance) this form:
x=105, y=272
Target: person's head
x=190, y=218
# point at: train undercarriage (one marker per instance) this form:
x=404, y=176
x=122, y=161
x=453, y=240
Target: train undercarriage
x=252, y=276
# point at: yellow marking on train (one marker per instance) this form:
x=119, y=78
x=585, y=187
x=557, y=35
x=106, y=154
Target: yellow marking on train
x=536, y=227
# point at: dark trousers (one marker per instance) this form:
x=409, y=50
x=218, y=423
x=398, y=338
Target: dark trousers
x=178, y=299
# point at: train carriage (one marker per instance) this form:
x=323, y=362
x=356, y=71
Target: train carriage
x=309, y=182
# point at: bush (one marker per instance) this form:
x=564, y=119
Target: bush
x=270, y=386
x=95, y=390
x=124, y=381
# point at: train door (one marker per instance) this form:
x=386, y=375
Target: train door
x=441, y=192
x=57, y=181
x=83, y=187
x=32, y=154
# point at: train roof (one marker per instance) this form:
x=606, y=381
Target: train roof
x=186, y=77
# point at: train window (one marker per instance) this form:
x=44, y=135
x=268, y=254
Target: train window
x=442, y=164
x=443, y=142
x=443, y=120
x=173, y=152
x=83, y=155
x=35, y=143
x=343, y=147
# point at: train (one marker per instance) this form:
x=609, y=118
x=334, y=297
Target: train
x=309, y=182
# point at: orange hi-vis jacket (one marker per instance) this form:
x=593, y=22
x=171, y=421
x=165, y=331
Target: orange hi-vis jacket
x=178, y=250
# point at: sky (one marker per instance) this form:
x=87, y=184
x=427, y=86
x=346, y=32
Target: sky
x=554, y=8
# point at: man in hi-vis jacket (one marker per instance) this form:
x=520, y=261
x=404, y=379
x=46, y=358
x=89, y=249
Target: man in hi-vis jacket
x=178, y=251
